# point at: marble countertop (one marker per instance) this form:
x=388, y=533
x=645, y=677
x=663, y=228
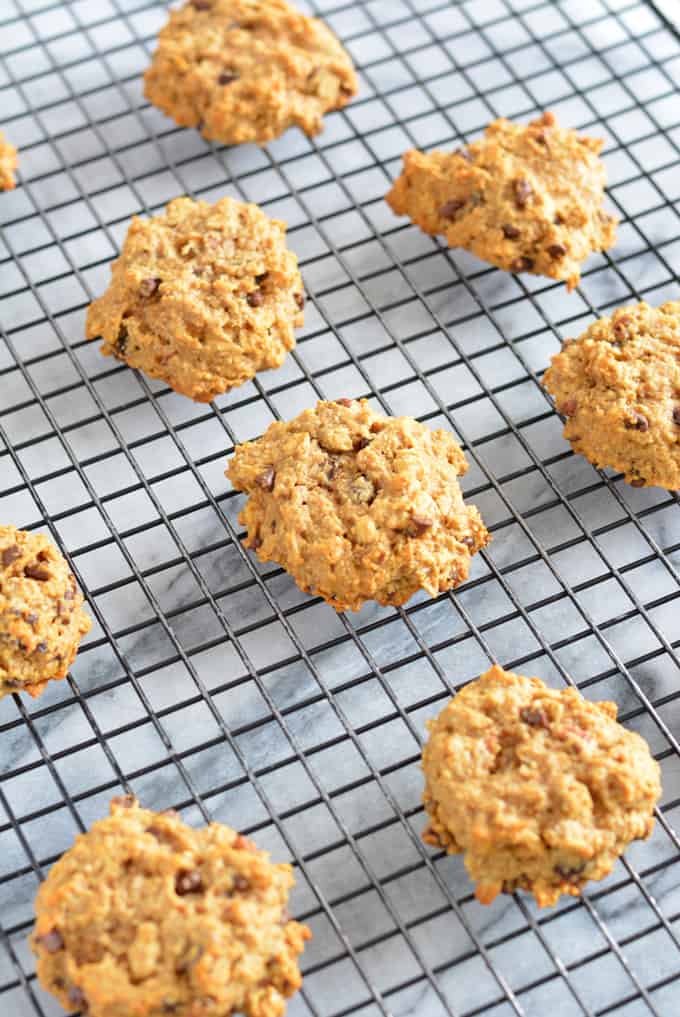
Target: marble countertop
x=209, y=682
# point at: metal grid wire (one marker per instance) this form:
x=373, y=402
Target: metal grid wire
x=209, y=683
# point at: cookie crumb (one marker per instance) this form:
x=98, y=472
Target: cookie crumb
x=8, y=164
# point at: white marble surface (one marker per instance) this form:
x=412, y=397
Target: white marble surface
x=200, y=680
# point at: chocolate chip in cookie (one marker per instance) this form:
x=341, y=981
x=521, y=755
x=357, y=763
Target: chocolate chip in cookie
x=188, y=881
x=10, y=554
x=522, y=191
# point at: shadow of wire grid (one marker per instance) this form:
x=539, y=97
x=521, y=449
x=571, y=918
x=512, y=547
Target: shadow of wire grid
x=209, y=682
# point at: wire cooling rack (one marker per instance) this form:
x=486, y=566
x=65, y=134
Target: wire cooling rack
x=209, y=683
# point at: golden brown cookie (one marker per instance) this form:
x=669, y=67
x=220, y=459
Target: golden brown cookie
x=8, y=163
x=41, y=612
x=203, y=297
x=526, y=198
x=241, y=70
x=539, y=789
x=619, y=386
x=147, y=916
x=358, y=506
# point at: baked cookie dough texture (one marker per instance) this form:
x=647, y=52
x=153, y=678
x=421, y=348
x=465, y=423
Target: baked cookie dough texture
x=41, y=612
x=240, y=70
x=526, y=198
x=357, y=506
x=148, y=917
x=539, y=789
x=202, y=297
x=8, y=163
x=618, y=385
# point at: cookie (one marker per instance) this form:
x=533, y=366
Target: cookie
x=203, y=297
x=618, y=385
x=8, y=163
x=244, y=71
x=539, y=789
x=357, y=506
x=41, y=612
x=147, y=916
x=526, y=198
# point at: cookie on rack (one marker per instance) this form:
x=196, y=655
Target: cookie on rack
x=8, y=164
x=357, y=506
x=41, y=612
x=242, y=71
x=618, y=385
x=540, y=790
x=203, y=297
x=526, y=198
x=145, y=915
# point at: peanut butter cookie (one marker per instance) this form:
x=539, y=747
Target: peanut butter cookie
x=619, y=387
x=8, y=163
x=245, y=71
x=358, y=506
x=524, y=198
x=147, y=916
x=539, y=789
x=41, y=612
x=203, y=297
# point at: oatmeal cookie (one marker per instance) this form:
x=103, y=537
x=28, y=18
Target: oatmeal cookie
x=203, y=297
x=526, y=198
x=41, y=612
x=244, y=71
x=618, y=385
x=539, y=789
x=358, y=506
x=8, y=163
x=147, y=916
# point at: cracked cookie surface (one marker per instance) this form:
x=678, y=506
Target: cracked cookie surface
x=8, y=163
x=618, y=385
x=202, y=297
x=147, y=916
x=242, y=71
x=526, y=198
x=539, y=789
x=41, y=612
x=357, y=506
